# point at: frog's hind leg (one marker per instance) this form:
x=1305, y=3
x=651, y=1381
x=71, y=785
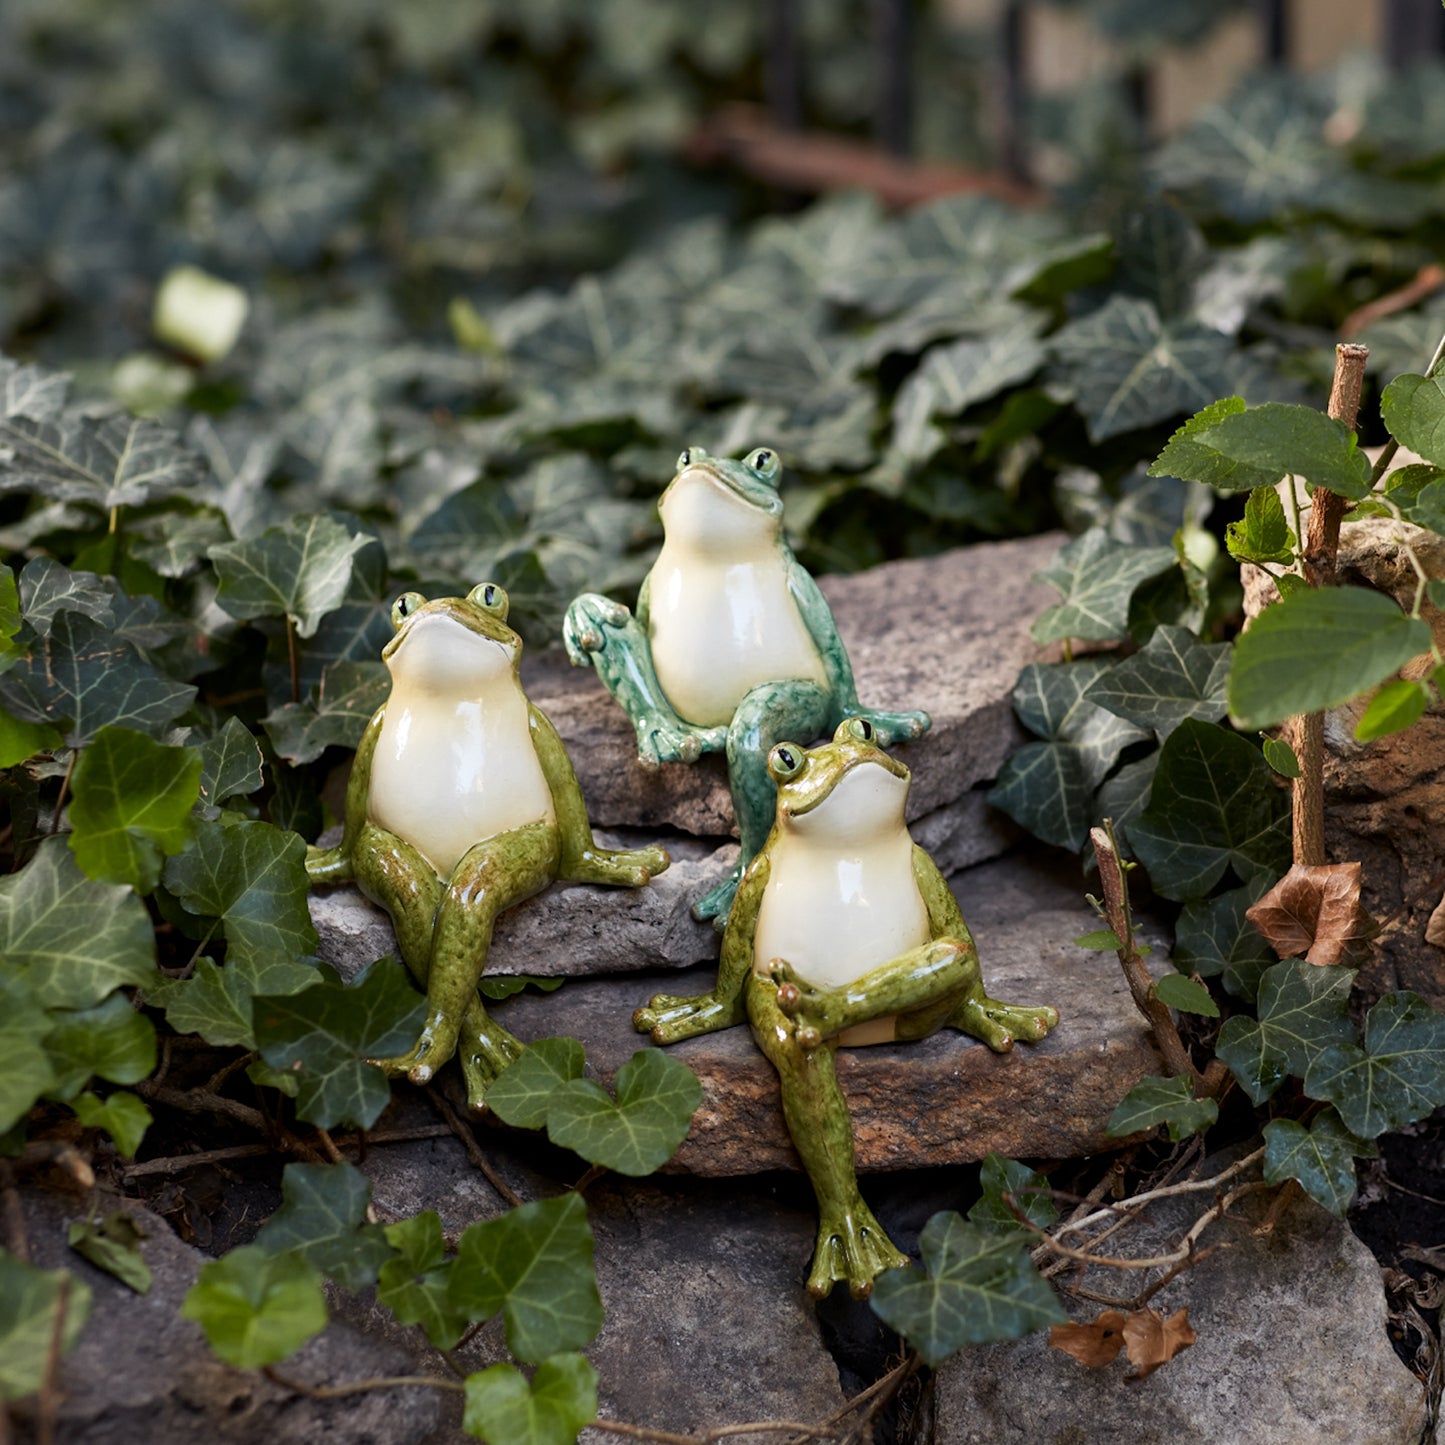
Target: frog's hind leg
x=851, y=1244
x=773, y=712
x=1000, y=1024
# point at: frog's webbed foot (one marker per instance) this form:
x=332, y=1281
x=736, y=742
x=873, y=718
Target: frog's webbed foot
x=327, y=865
x=622, y=867
x=669, y=1018
x=717, y=903
x=484, y=1052
x=438, y=1042
x=660, y=740
x=895, y=727
x=802, y=1002
x=584, y=627
x=851, y=1246
x=999, y=1024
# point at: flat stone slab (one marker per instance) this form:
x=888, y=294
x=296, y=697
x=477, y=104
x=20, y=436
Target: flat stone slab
x=1292, y=1346
x=943, y=1100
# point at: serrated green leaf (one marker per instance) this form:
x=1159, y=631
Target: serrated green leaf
x=253, y=878
x=300, y=569
x=349, y=693
x=1322, y=1158
x=323, y=1217
x=1130, y=370
x=132, y=806
x=215, y=1001
x=1096, y=576
x=1419, y=493
x=1303, y=1011
x=230, y=763
x=534, y=1264
x=1263, y=535
x=1105, y=940
x=525, y=1088
x=1280, y=756
x=1162, y=1101
x=30, y=1303
x=1212, y=806
x=1399, y=1075
x=78, y=940
x=413, y=1284
x=25, y=1070
x=1278, y=440
x=1173, y=677
x=979, y=1287
x=256, y=1308
x=1395, y=707
x=1319, y=648
x=1187, y=458
x=1184, y=994
x=1027, y=1190
x=123, y=1116
x=1414, y=411
x=326, y=1034
x=110, y=1040
x=1213, y=937
x=113, y=1245
x=656, y=1098
x=504, y=1408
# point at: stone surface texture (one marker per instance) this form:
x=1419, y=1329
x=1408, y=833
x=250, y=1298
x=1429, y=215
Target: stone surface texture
x=1291, y=1347
x=942, y=1100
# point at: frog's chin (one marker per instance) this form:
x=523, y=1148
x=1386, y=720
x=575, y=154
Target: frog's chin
x=438, y=654
x=704, y=513
x=866, y=803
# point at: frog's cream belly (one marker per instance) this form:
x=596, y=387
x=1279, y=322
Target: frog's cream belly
x=834, y=918
x=448, y=774
x=719, y=628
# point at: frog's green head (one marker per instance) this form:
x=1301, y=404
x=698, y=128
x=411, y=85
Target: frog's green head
x=452, y=645
x=721, y=505
x=849, y=790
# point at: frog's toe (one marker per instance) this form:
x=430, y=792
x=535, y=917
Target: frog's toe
x=717, y=903
x=482, y=1060
x=852, y=1246
x=1029, y=1024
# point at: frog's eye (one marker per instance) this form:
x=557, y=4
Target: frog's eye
x=404, y=606
x=858, y=728
x=490, y=598
x=786, y=761
x=688, y=455
x=764, y=462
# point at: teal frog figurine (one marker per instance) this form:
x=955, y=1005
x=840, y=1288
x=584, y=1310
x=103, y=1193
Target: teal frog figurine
x=843, y=932
x=733, y=646
x=462, y=801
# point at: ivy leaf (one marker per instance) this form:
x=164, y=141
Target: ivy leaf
x=534, y=1264
x=114, y=1246
x=123, y=1116
x=1027, y=1189
x=31, y=391
x=252, y=877
x=107, y=462
x=1322, y=1158
x=504, y=1409
x=350, y=692
x=1129, y=369
x=1397, y=1078
x=1263, y=535
x=1317, y=648
x=979, y=1287
x=1315, y=911
x=25, y=1071
x=1162, y=1101
x=1187, y=458
x=48, y=588
x=30, y=1303
x=326, y=1034
x=1160, y=254
x=174, y=541
x=132, y=806
x=215, y=1002
x=1213, y=806
x=323, y=1218
x=1277, y=440
x=79, y=940
x=1173, y=677
x=1185, y=995
x=1214, y=936
x=110, y=1039
x=300, y=569
x=1397, y=706
x=525, y=1088
x=656, y=1098
x=256, y=1308
x=1096, y=576
x=1303, y=1012
x=230, y=763
x=413, y=1283
x=1414, y=411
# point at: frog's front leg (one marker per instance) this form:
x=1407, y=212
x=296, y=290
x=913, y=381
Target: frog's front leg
x=491, y=876
x=1000, y=1024
x=669, y=1018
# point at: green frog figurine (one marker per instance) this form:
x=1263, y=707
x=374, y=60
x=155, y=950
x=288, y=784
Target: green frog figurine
x=843, y=932
x=462, y=801
x=733, y=646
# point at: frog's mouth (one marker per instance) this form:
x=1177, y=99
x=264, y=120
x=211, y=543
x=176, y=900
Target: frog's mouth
x=865, y=796
x=703, y=473
x=439, y=649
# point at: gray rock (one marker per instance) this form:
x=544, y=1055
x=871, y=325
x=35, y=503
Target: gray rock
x=1291, y=1347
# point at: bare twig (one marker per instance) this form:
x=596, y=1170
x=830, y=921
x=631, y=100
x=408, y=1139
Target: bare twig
x=721, y=1432
x=463, y=1131
x=49, y=1405
x=61, y=1153
x=179, y=1163
x=359, y=1387
x=203, y=1101
x=16, y=1239
x=1426, y=281
x=64, y=788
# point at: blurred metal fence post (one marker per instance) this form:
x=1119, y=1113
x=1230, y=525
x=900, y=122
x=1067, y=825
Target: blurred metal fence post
x=1012, y=92
x=1274, y=21
x=783, y=64
x=1414, y=30
x=893, y=89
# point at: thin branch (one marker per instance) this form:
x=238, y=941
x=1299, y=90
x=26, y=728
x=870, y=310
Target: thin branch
x=178, y=1163
x=1168, y=1191
x=64, y=788
x=1426, y=281
x=462, y=1130
x=49, y=1406
x=359, y=1387
x=17, y=1241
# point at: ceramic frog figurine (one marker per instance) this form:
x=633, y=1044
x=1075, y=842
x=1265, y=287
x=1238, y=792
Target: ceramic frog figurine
x=462, y=801
x=733, y=646
x=843, y=932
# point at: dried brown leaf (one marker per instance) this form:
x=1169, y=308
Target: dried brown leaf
x=1435, y=928
x=1315, y=912
x=1151, y=1340
x=1094, y=1345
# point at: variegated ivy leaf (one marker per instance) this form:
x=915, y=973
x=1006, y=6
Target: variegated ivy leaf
x=1173, y=677
x=350, y=692
x=1322, y=1158
x=31, y=391
x=1097, y=577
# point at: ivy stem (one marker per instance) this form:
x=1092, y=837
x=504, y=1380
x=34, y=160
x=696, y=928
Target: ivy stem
x=294, y=659
x=64, y=789
x=1307, y=733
